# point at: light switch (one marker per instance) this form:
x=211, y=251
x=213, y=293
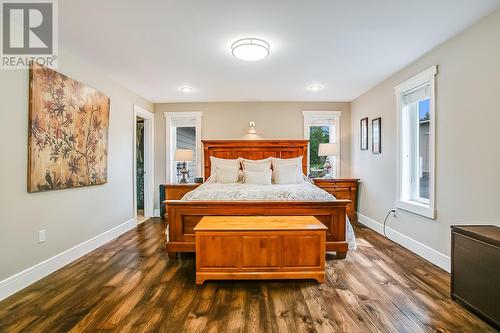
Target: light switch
x=41, y=236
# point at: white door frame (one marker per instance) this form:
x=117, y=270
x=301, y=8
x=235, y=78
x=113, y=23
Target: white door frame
x=149, y=125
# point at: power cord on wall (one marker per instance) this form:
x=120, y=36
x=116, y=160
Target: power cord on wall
x=385, y=220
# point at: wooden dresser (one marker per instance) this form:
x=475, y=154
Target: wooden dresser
x=174, y=192
x=342, y=188
x=475, y=269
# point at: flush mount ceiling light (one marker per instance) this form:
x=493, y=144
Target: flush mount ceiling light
x=250, y=49
x=186, y=89
x=315, y=87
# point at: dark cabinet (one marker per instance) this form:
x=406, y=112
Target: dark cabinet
x=475, y=269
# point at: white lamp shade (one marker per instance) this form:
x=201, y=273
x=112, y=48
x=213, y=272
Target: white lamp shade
x=184, y=155
x=328, y=149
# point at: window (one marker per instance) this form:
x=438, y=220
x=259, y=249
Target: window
x=416, y=125
x=317, y=135
x=185, y=138
x=183, y=130
x=322, y=127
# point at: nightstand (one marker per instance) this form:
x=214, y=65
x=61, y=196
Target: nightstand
x=174, y=192
x=342, y=188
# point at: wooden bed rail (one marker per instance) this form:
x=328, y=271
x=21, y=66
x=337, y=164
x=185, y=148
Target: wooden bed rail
x=316, y=203
x=182, y=217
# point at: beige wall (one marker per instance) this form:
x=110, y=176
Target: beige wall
x=467, y=138
x=70, y=217
x=274, y=120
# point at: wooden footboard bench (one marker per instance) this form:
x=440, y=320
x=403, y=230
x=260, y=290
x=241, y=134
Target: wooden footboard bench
x=260, y=248
x=183, y=216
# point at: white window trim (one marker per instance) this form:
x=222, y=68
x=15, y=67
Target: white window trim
x=191, y=119
x=429, y=75
x=312, y=118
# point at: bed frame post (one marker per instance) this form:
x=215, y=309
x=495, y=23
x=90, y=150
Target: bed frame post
x=341, y=254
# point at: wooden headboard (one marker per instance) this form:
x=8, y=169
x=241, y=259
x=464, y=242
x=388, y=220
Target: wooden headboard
x=254, y=150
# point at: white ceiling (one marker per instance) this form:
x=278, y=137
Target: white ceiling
x=155, y=47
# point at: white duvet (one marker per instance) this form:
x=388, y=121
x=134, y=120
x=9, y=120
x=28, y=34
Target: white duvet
x=276, y=192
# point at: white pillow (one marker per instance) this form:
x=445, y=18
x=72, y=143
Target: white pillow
x=258, y=177
x=226, y=175
x=264, y=160
x=223, y=163
x=297, y=161
x=256, y=166
x=285, y=174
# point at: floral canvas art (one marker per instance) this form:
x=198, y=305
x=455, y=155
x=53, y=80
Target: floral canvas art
x=68, y=132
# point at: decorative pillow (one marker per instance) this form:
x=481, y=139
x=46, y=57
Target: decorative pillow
x=297, y=161
x=226, y=175
x=258, y=177
x=223, y=163
x=285, y=174
x=264, y=160
x=256, y=166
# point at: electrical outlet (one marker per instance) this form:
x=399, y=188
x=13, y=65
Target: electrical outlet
x=41, y=236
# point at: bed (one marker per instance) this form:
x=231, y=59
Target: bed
x=246, y=200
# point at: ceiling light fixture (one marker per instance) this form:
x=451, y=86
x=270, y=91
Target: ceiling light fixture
x=315, y=87
x=250, y=49
x=186, y=89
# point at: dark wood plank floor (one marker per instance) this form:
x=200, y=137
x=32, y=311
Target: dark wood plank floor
x=129, y=285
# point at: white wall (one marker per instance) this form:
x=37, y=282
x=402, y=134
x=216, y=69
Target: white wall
x=70, y=217
x=467, y=139
x=274, y=120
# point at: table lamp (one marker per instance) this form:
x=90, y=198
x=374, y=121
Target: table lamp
x=184, y=155
x=327, y=149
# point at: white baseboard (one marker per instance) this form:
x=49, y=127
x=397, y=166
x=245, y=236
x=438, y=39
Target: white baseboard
x=156, y=213
x=21, y=280
x=426, y=252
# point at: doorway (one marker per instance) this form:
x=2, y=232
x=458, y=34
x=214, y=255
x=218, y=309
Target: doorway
x=143, y=164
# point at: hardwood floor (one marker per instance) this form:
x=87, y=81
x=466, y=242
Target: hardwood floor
x=130, y=285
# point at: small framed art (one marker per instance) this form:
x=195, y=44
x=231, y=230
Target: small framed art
x=377, y=135
x=363, y=129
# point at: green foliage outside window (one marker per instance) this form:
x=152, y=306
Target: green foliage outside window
x=317, y=135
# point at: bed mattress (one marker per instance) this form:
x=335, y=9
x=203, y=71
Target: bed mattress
x=249, y=192
x=275, y=192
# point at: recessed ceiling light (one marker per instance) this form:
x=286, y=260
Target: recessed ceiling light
x=315, y=87
x=186, y=89
x=250, y=49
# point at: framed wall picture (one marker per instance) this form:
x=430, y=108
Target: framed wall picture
x=363, y=130
x=377, y=135
x=68, y=132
